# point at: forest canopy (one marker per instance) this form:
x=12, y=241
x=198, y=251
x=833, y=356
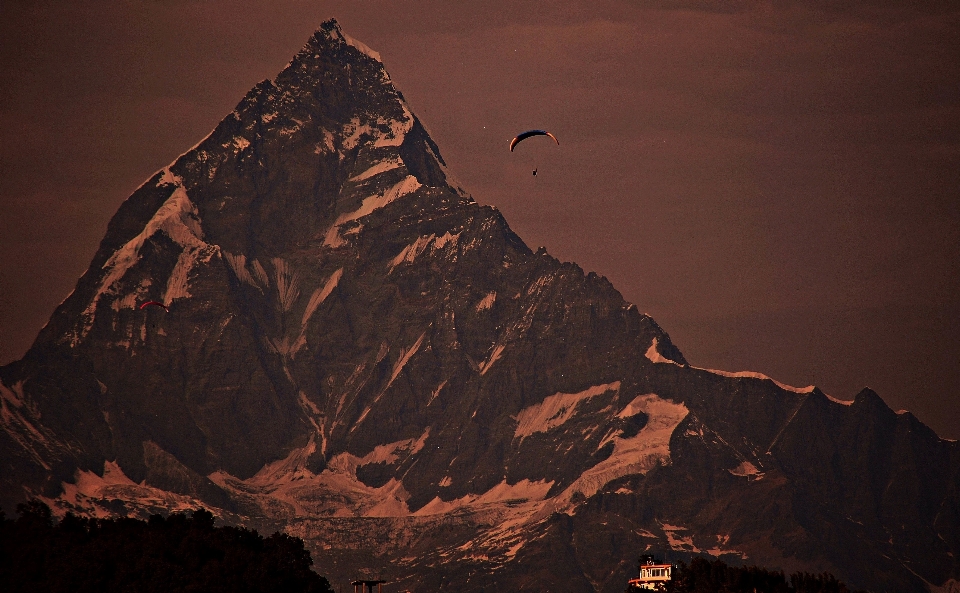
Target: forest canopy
x=706, y=576
x=178, y=553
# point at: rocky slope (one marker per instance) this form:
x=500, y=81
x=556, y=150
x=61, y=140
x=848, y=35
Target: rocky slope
x=356, y=352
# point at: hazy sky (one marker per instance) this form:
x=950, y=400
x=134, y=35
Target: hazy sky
x=776, y=183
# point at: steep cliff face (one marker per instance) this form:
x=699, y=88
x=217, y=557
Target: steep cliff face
x=355, y=351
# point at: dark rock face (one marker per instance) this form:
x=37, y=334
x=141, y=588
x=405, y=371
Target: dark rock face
x=356, y=352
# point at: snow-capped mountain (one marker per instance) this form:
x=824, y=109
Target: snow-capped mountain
x=356, y=352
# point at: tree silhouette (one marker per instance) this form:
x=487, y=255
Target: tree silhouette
x=178, y=553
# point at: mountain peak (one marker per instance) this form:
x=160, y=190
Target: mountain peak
x=330, y=37
x=330, y=140
x=331, y=30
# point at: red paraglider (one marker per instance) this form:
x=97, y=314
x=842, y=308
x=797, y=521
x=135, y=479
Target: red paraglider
x=155, y=304
x=530, y=133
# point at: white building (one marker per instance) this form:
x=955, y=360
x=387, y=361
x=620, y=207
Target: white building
x=651, y=575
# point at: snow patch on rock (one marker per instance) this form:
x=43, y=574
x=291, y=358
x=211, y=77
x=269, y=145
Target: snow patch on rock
x=408, y=185
x=487, y=301
x=494, y=356
x=436, y=392
x=381, y=167
x=405, y=355
x=653, y=355
x=288, y=283
x=14, y=411
x=287, y=488
x=178, y=219
x=411, y=251
x=84, y=496
x=294, y=464
x=361, y=46
x=396, y=130
x=523, y=491
x=446, y=239
x=720, y=548
x=746, y=469
x=320, y=295
x=238, y=264
x=635, y=455
x=555, y=410
x=678, y=542
x=842, y=402
x=762, y=377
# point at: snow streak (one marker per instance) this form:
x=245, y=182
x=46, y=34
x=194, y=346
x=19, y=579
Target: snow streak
x=320, y=295
x=288, y=284
x=407, y=185
x=555, y=410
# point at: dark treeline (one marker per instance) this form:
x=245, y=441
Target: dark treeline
x=178, y=553
x=705, y=576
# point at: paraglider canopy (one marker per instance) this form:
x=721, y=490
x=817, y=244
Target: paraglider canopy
x=154, y=304
x=523, y=136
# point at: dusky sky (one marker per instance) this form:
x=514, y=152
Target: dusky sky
x=776, y=183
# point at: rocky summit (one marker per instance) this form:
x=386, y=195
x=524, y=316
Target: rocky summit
x=344, y=345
